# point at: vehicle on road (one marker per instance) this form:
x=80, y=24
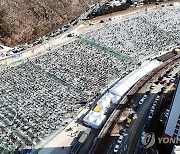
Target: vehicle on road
x=128, y=122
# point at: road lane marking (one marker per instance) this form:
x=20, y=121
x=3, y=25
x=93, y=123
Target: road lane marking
x=125, y=139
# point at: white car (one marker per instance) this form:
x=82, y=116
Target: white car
x=150, y=115
x=143, y=136
x=141, y=101
x=152, y=109
x=166, y=114
x=157, y=97
x=120, y=139
x=172, y=80
x=116, y=148
x=153, y=86
x=155, y=103
x=145, y=96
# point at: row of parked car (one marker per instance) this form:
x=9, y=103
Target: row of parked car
x=118, y=143
x=165, y=83
x=40, y=40
x=152, y=109
x=160, y=80
x=123, y=133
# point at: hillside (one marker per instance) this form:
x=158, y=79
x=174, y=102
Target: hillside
x=23, y=20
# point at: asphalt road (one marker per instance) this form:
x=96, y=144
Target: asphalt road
x=139, y=124
x=132, y=138
x=142, y=114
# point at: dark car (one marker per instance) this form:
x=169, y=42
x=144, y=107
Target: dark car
x=123, y=131
x=160, y=78
x=131, y=116
x=136, y=108
x=157, y=82
x=148, y=92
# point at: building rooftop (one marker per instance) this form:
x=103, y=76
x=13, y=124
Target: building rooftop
x=173, y=124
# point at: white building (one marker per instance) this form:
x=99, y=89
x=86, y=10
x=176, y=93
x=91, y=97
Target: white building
x=97, y=117
x=173, y=124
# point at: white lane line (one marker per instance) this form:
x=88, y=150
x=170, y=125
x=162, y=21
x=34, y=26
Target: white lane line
x=131, y=128
x=125, y=139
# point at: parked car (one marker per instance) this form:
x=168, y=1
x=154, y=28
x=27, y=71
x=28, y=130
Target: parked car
x=172, y=80
x=157, y=82
x=116, y=148
x=143, y=136
x=136, y=108
x=152, y=109
x=155, y=103
x=120, y=139
x=157, y=98
x=131, y=116
x=153, y=86
x=163, y=89
x=169, y=75
x=141, y=101
x=123, y=131
x=160, y=78
x=166, y=114
x=148, y=92
x=150, y=115
x=128, y=122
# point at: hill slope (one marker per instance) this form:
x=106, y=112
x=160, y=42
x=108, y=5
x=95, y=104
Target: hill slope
x=23, y=20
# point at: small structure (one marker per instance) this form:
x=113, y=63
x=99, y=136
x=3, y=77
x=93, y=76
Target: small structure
x=81, y=141
x=177, y=51
x=94, y=119
x=3, y=50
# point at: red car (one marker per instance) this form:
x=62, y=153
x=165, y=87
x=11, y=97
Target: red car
x=164, y=82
